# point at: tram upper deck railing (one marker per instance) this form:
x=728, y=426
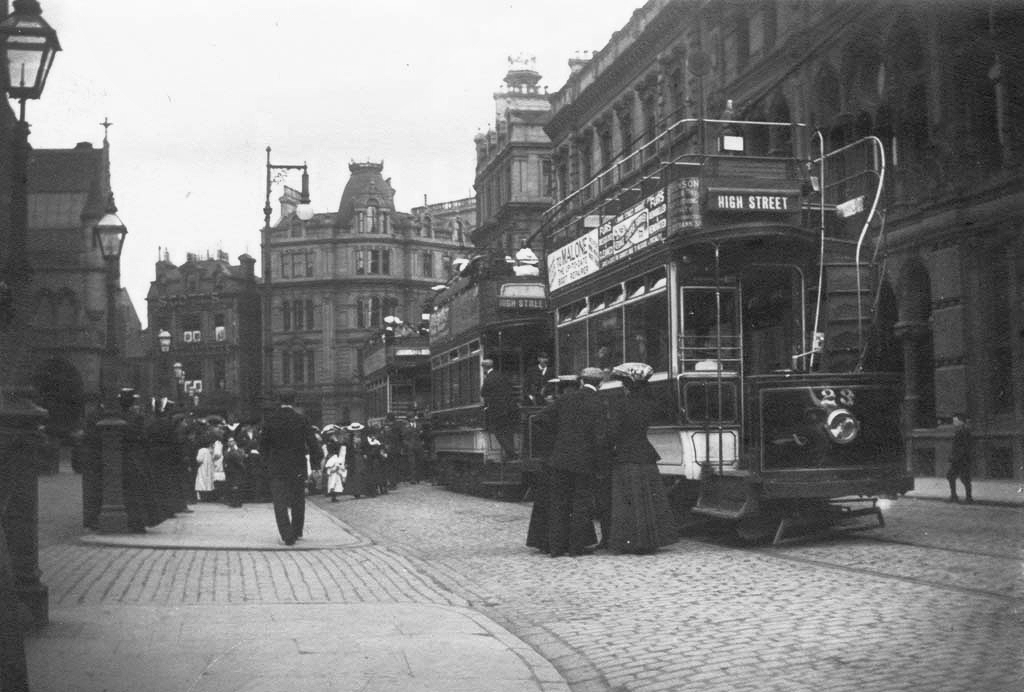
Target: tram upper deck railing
x=686, y=142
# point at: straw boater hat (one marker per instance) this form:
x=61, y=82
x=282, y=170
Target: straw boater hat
x=634, y=372
x=591, y=374
x=355, y=427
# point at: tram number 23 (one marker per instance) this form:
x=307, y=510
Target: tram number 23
x=845, y=397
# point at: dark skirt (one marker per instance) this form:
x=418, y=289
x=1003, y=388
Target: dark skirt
x=362, y=480
x=642, y=519
x=537, y=533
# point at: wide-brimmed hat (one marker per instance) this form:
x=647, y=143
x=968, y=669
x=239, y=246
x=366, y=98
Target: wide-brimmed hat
x=355, y=427
x=634, y=372
x=592, y=374
x=331, y=429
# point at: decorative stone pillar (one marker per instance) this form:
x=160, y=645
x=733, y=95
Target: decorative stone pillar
x=113, y=517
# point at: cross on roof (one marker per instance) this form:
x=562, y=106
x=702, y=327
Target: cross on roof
x=106, y=126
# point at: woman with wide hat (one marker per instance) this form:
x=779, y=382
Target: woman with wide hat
x=641, y=518
x=360, y=480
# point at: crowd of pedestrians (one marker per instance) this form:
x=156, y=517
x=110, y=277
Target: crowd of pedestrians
x=173, y=459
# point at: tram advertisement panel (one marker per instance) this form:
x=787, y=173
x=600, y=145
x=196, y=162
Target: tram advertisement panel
x=573, y=261
x=641, y=225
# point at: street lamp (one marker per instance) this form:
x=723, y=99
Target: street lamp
x=163, y=338
x=29, y=45
x=305, y=212
x=109, y=235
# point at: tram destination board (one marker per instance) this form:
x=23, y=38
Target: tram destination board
x=771, y=201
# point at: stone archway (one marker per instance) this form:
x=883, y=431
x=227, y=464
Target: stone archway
x=60, y=391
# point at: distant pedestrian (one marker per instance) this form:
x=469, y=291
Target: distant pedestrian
x=641, y=519
x=360, y=480
x=234, y=472
x=960, y=459
x=378, y=460
x=335, y=467
x=286, y=441
x=205, y=487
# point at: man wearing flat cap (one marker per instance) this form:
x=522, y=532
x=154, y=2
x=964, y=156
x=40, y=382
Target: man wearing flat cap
x=538, y=376
x=579, y=421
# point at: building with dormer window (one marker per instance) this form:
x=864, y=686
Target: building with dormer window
x=338, y=276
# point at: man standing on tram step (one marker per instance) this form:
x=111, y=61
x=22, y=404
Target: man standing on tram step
x=537, y=377
x=501, y=412
x=579, y=422
x=960, y=459
x=286, y=439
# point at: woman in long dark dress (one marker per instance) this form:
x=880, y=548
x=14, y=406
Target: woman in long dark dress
x=641, y=518
x=538, y=531
x=360, y=479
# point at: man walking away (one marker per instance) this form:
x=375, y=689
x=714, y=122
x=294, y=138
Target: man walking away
x=286, y=440
x=960, y=459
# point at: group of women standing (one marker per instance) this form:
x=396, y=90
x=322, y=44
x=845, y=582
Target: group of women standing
x=354, y=462
x=623, y=487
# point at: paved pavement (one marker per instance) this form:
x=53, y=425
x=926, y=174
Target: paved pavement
x=214, y=601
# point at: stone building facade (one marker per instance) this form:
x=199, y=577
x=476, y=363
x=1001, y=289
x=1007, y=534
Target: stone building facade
x=339, y=274
x=211, y=309
x=70, y=360
x=514, y=177
x=941, y=87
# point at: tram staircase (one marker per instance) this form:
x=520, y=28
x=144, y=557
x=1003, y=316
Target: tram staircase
x=842, y=347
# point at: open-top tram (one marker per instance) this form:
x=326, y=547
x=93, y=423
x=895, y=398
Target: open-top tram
x=740, y=266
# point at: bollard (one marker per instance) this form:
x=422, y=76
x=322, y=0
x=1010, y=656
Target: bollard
x=113, y=514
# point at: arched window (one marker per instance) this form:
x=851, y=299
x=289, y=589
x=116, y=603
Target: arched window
x=371, y=220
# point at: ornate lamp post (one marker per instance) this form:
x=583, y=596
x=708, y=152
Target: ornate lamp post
x=29, y=45
x=109, y=235
x=305, y=212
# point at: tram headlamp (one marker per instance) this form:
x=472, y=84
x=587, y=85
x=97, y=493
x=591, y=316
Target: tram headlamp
x=842, y=426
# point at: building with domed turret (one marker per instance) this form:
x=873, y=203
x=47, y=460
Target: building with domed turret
x=337, y=276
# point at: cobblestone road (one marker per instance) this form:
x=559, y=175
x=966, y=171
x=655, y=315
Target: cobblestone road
x=931, y=602
x=852, y=612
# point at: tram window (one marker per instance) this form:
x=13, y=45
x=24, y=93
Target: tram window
x=572, y=348
x=605, y=332
x=635, y=287
x=770, y=325
x=646, y=331
x=708, y=315
x=709, y=400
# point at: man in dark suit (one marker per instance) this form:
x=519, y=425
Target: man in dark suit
x=287, y=437
x=536, y=386
x=579, y=421
x=501, y=412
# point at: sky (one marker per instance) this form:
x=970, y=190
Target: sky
x=196, y=91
